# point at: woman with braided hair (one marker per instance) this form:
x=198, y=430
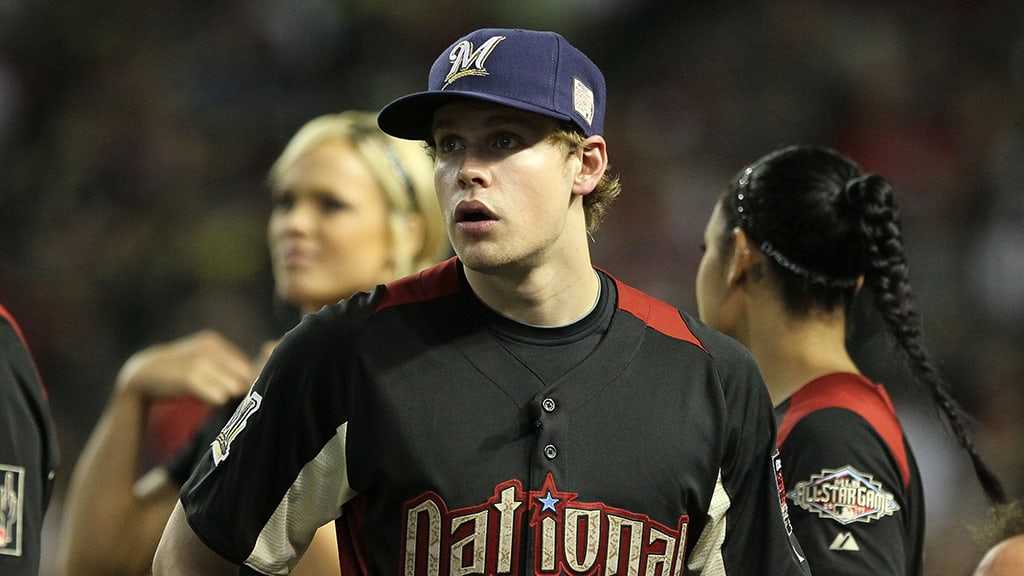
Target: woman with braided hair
x=789, y=245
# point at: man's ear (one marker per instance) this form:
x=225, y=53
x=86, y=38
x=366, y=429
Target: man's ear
x=594, y=161
x=742, y=257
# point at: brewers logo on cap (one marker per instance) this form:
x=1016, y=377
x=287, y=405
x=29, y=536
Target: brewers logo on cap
x=528, y=70
x=469, y=62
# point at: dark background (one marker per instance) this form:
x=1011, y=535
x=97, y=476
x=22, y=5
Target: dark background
x=135, y=136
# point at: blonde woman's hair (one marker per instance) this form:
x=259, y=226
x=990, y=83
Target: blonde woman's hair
x=402, y=168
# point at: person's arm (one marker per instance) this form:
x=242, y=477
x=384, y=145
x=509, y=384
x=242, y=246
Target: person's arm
x=752, y=523
x=28, y=455
x=277, y=471
x=182, y=553
x=111, y=522
x=833, y=448
x=748, y=528
x=321, y=558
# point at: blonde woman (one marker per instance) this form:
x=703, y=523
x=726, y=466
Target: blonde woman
x=352, y=208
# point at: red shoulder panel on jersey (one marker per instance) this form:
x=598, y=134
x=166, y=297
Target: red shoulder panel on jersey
x=654, y=313
x=441, y=279
x=856, y=394
x=14, y=324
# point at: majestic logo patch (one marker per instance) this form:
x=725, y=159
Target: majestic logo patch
x=567, y=536
x=12, y=485
x=844, y=541
x=469, y=62
x=221, y=445
x=583, y=100
x=844, y=495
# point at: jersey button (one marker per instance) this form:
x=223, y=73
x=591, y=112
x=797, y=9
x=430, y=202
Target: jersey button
x=548, y=404
x=550, y=451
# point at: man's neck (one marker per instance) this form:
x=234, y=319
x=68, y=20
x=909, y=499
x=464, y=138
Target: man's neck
x=540, y=296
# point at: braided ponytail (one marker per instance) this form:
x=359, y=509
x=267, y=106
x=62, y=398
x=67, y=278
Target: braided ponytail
x=887, y=274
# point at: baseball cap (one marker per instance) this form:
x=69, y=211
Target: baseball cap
x=524, y=69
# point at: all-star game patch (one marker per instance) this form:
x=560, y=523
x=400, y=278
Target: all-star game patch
x=845, y=495
x=12, y=485
x=583, y=100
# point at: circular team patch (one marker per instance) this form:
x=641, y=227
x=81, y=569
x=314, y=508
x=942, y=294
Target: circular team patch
x=845, y=495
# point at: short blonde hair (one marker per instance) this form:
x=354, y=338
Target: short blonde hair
x=402, y=168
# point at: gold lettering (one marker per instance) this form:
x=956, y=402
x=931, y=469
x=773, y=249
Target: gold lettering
x=616, y=526
x=547, y=547
x=592, y=526
x=506, y=528
x=476, y=541
x=433, y=538
x=660, y=564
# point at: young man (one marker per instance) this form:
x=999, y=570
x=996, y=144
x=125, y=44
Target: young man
x=513, y=410
x=28, y=454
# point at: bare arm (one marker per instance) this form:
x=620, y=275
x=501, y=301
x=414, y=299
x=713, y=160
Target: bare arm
x=112, y=523
x=182, y=553
x=321, y=558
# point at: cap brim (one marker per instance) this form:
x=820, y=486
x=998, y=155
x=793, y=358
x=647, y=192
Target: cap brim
x=412, y=117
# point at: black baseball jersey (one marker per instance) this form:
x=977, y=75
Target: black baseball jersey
x=856, y=500
x=429, y=426
x=28, y=453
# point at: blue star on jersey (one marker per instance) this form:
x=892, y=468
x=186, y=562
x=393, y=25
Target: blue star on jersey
x=548, y=502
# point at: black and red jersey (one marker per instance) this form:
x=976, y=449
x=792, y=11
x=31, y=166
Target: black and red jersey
x=427, y=425
x=855, y=494
x=29, y=453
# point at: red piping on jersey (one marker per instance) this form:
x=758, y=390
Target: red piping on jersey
x=14, y=324
x=352, y=554
x=17, y=330
x=857, y=394
x=441, y=279
x=655, y=313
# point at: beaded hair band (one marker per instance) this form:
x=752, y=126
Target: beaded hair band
x=744, y=213
x=393, y=160
x=399, y=168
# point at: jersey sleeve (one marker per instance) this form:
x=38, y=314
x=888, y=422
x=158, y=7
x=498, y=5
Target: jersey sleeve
x=28, y=456
x=748, y=514
x=847, y=497
x=276, y=471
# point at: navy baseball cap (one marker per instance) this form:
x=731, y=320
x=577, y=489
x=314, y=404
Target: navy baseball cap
x=524, y=69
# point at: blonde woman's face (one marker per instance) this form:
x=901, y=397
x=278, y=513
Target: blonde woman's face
x=328, y=233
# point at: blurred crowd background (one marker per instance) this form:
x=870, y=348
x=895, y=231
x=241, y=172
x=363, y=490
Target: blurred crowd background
x=135, y=136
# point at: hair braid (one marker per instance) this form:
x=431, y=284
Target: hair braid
x=888, y=275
